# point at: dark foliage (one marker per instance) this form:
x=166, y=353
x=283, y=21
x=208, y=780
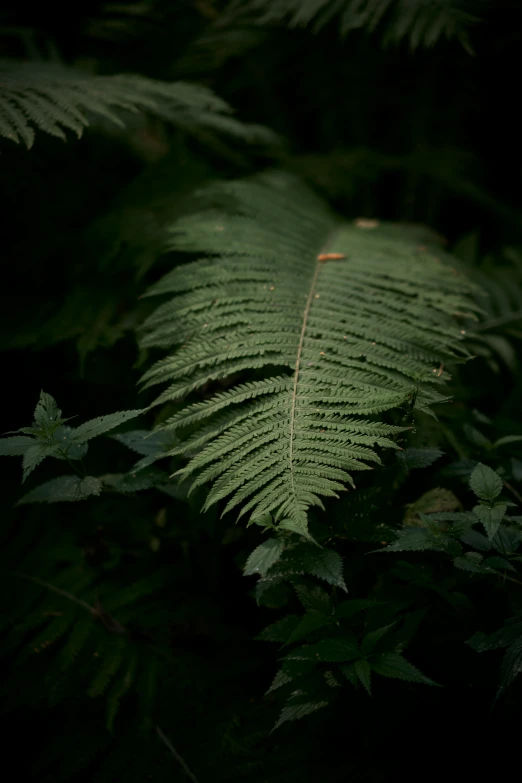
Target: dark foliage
x=143, y=637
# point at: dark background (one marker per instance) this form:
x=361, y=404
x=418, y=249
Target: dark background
x=431, y=136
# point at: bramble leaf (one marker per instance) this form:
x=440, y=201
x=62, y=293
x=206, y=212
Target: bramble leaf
x=491, y=517
x=395, y=666
x=264, y=556
x=485, y=483
x=64, y=489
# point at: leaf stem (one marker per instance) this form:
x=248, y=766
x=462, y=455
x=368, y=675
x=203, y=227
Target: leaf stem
x=181, y=761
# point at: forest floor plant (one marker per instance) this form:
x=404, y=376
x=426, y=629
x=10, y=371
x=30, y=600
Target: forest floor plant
x=339, y=407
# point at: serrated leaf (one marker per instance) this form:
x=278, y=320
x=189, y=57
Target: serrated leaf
x=511, y=666
x=63, y=489
x=102, y=424
x=68, y=448
x=395, y=666
x=152, y=446
x=135, y=481
x=412, y=540
x=371, y=639
x=299, y=666
x=476, y=540
x=349, y=608
x=279, y=631
x=263, y=520
x=502, y=638
x=331, y=680
x=405, y=634
x=47, y=414
x=485, y=483
x=491, y=517
x=309, y=559
x=282, y=678
x=364, y=673
x=36, y=454
x=507, y=540
x=349, y=672
x=314, y=598
x=418, y=458
x=329, y=650
x=270, y=586
x=471, y=561
x=297, y=711
x=301, y=528
x=15, y=446
x=312, y=621
x=264, y=557
x=498, y=563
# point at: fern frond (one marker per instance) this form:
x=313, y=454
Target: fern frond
x=422, y=22
x=344, y=321
x=56, y=99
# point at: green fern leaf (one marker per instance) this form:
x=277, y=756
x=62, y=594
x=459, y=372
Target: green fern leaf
x=57, y=98
x=119, y=690
x=359, y=316
x=110, y=657
x=53, y=631
x=77, y=640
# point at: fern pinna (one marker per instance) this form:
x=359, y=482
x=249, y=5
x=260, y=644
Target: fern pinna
x=341, y=322
x=421, y=23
